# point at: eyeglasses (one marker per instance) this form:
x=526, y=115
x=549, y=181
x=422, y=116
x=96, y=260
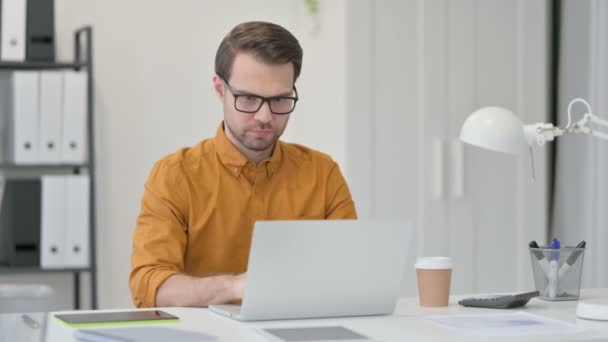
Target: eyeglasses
x=251, y=103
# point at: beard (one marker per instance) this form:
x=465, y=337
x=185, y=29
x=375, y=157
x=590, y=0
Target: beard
x=258, y=144
x=247, y=138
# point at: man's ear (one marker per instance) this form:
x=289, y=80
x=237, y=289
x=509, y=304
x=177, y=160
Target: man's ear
x=218, y=86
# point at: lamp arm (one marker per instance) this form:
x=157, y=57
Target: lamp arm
x=596, y=120
x=539, y=133
x=600, y=135
x=599, y=122
x=584, y=125
x=571, y=104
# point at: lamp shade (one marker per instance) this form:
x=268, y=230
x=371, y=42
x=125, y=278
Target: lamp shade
x=496, y=129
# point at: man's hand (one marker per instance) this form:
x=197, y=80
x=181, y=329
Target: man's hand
x=239, y=285
x=185, y=290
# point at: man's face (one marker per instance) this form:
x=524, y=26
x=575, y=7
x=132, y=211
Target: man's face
x=259, y=131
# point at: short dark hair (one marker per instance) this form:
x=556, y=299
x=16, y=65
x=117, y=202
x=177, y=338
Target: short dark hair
x=270, y=43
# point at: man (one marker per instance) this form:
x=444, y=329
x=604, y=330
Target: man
x=193, y=234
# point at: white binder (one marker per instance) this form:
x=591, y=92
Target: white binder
x=2, y=187
x=73, y=145
x=77, y=221
x=20, y=111
x=52, y=221
x=5, y=106
x=51, y=113
x=12, y=30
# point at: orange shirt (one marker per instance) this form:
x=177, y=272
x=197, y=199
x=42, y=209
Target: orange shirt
x=200, y=204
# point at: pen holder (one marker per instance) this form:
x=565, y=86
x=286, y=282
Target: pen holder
x=557, y=272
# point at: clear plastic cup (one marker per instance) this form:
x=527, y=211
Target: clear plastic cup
x=25, y=298
x=557, y=272
x=23, y=310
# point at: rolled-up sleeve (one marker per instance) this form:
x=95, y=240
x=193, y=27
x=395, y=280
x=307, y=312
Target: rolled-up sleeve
x=340, y=204
x=160, y=236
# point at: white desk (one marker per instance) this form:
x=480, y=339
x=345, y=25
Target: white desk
x=406, y=324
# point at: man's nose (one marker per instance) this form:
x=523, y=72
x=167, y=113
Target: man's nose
x=264, y=115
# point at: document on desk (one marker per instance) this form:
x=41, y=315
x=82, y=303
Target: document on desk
x=141, y=334
x=311, y=334
x=509, y=324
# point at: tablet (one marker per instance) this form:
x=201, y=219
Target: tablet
x=116, y=318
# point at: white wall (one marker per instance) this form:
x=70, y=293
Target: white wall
x=153, y=69
x=581, y=188
x=417, y=69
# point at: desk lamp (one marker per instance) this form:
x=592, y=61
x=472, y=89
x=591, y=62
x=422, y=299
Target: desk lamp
x=498, y=129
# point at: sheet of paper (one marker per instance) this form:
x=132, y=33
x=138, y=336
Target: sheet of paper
x=306, y=334
x=509, y=324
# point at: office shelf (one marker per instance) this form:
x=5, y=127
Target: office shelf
x=40, y=65
x=42, y=166
x=83, y=60
x=4, y=269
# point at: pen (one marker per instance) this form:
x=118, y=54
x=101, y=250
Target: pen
x=572, y=258
x=553, y=268
x=30, y=322
x=555, y=245
x=542, y=261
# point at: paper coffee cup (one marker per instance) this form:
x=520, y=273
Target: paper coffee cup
x=434, y=276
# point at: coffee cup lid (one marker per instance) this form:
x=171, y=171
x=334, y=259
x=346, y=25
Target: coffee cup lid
x=434, y=263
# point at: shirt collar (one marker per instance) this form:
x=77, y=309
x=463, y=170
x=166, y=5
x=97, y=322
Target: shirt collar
x=234, y=160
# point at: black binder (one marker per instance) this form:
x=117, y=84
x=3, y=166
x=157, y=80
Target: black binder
x=20, y=223
x=40, y=31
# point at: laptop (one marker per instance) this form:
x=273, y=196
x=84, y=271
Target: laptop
x=316, y=269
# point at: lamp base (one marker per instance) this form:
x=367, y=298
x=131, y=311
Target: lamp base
x=596, y=309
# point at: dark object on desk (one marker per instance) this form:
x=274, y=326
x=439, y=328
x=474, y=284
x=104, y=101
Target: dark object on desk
x=120, y=317
x=305, y=334
x=141, y=334
x=500, y=301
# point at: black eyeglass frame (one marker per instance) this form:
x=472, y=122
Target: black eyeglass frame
x=264, y=99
